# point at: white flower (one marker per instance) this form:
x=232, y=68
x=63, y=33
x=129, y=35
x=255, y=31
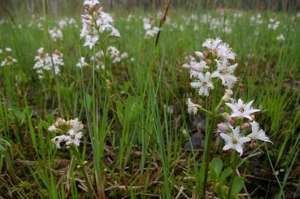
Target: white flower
x=223, y=127
x=74, y=137
x=227, y=96
x=71, y=128
x=201, y=66
x=62, y=23
x=220, y=48
x=91, y=40
x=81, y=63
x=115, y=54
x=72, y=21
x=55, y=34
x=257, y=133
x=234, y=140
x=150, y=30
x=90, y=3
x=75, y=124
x=57, y=125
x=241, y=110
x=212, y=44
x=204, y=84
x=224, y=52
x=52, y=128
x=192, y=107
x=58, y=140
x=273, y=24
x=256, y=19
x=97, y=59
x=225, y=73
x=220, y=24
x=7, y=59
x=280, y=37
x=45, y=62
x=95, y=21
x=195, y=66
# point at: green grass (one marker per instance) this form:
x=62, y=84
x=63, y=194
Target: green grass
x=132, y=144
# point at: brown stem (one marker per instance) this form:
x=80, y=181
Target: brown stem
x=162, y=21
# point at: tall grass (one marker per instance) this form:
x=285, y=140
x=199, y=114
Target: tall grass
x=135, y=113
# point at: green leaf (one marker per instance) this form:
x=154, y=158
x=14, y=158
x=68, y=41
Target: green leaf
x=237, y=186
x=216, y=166
x=225, y=174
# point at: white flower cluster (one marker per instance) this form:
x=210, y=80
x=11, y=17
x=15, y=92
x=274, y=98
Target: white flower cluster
x=6, y=57
x=98, y=58
x=48, y=62
x=214, y=62
x=273, y=24
x=238, y=14
x=115, y=55
x=55, y=34
x=257, y=19
x=71, y=132
x=150, y=30
x=95, y=21
x=215, y=23
x=38, y=22
x=81, y=63
x=240, y=126
x=63, y=23
x=280, y=38
x=220, y=24
x=192, y=107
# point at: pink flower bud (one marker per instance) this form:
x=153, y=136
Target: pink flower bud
x=245, y=126
x=231, y=121
x=222, y=127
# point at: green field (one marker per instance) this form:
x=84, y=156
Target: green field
x=138, y=139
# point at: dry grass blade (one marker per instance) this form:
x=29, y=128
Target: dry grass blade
x=162, y=20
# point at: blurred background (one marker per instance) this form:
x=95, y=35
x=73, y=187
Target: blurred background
x=65, y=7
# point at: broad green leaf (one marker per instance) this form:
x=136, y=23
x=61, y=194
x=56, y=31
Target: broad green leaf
x=216, y=166
x=237, y=186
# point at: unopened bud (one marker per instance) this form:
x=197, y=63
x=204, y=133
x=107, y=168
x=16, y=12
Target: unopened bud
x=226, y=116
x=208, y=61
x=253, y=145
x=199, y=54
x=227, y=96
x=185, y=133
x=231, y=121
x=245, y=126
x=222, y=127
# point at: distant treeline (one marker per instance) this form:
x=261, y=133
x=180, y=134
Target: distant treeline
x=275, y=5
x=10, y=7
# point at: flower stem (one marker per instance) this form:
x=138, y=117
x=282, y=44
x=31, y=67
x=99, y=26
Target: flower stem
x=218, y=106
x=205, y=110
x=233, y=166
x=205, y=160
